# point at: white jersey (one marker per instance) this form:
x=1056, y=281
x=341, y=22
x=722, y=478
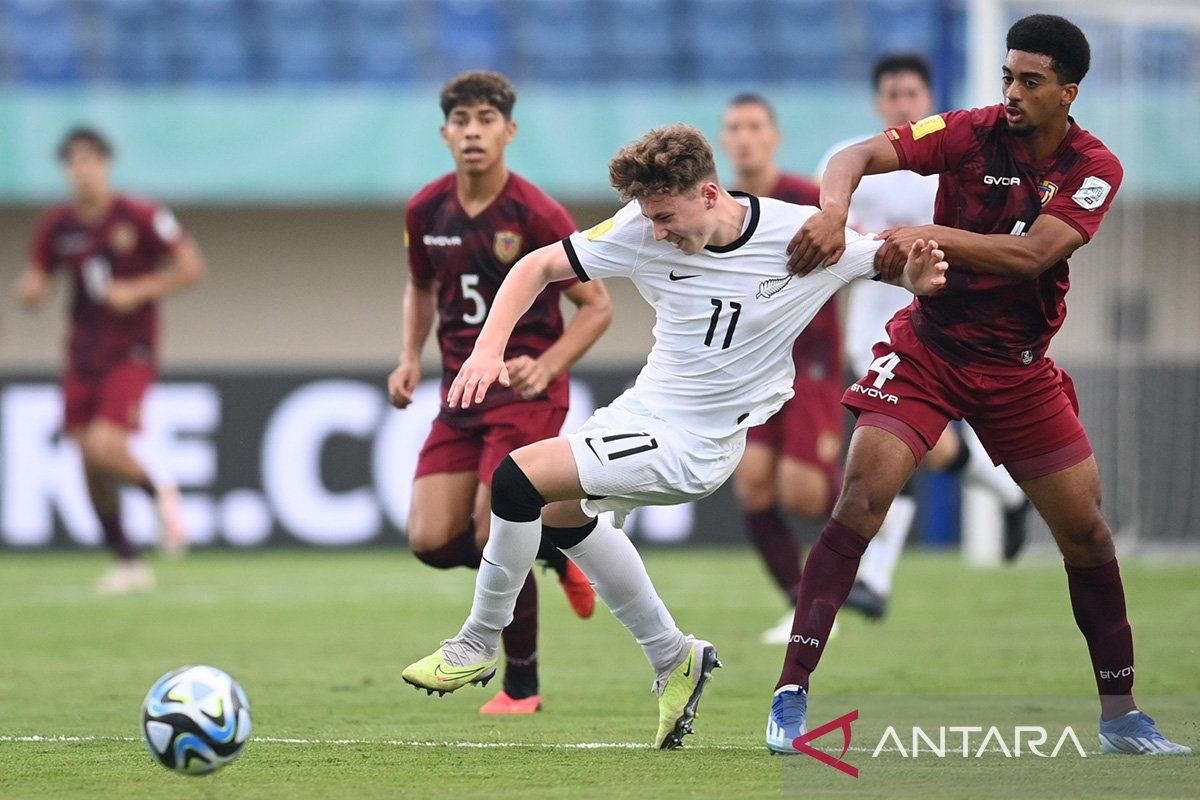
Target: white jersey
x=726, y=317
x=880, y=202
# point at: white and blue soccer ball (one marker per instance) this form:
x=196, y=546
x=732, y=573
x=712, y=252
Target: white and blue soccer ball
x=196, y=720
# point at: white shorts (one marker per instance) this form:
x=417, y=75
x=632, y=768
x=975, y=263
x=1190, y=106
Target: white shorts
x=628, y=458
x=871, y=307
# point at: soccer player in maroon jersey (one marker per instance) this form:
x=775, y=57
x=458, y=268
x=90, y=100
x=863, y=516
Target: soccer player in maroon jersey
x=794, y=459
x=123, y=256
x=464, y=231
x=1022, y=188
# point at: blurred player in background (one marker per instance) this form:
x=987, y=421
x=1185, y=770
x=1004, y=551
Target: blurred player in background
x=1022, y=188
x=123, y=256
x=903, y=92
x=464, y=231
x=793, y=460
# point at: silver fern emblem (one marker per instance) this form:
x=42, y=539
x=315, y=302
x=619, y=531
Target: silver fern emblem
x=772, y=286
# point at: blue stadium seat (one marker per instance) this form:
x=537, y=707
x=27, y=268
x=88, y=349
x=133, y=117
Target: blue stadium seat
x=380, y=39
x=724, y=41
x=469, y=34
x=41, y=37
x=297, y=41
x=556, y=40
x=212, y=40
x=1167, y=55
x=642, y=39
x=804, y=40
x=901, y=26
x=130, y=41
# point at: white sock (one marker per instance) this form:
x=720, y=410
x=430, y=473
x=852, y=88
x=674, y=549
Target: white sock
x=981, y=471
x=615, y=568
x=507, y=558
x=879, y=562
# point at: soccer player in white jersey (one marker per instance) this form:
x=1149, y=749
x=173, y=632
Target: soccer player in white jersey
x=882, y=202
x=712, y=264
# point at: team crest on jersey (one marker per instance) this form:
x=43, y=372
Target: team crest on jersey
x=507, y=246
x=1047, y=190
x=772, y=286
x=123, y=238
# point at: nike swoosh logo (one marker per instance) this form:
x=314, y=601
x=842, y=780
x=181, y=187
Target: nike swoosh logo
x=438, y=672
x=675, y=277
x=687, y=671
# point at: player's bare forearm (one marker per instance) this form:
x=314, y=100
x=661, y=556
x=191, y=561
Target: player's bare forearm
x=1023, y=257
x=524, y=282
x=592, y=318
x=420, y=308
x=848, y=166
x=32, y=288
x=185, y=267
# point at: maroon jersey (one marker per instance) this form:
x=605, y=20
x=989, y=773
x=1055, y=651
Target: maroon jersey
x=469, y=257
x=818, y=349
x=987, y=186
x=130, y=241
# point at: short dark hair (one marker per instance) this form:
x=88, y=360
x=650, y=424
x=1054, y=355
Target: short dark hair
x=1056, y=37
x=479, y=87
x=755, y=99
x=895, y=63
x=676, y=158
x=87, y=136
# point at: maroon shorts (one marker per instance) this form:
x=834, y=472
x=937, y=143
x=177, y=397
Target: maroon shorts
x=1027, y=419
x=483, y=442
x=114, y=396
x=809, y=428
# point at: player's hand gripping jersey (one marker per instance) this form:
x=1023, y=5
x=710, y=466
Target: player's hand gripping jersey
x=988, y=187
x=726, y=317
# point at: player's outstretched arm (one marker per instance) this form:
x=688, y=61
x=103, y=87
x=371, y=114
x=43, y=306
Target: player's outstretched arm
x=593, y=315
x=822, y=238
x=925, y=268
x=521, y=286
x=184, y=267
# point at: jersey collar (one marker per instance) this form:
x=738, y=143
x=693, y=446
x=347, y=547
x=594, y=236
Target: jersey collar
x=746, y=234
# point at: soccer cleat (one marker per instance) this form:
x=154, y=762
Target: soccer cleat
x=781, y=634
x=866, y=601
x=452, y=666
x=172, y=538
x=679, y=691
x=579, y=590
x=1016, y=529
x=787, y=722
x=504, y=703
x=1137, y=734
x=126, y=577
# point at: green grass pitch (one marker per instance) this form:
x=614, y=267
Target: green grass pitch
x=318, y=639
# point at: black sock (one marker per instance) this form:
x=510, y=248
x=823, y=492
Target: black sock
x=552, y=557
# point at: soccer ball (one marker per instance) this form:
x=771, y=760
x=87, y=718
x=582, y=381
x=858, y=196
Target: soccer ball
x=196, y=720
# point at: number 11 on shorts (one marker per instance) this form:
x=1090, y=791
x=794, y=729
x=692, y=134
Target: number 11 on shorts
x=885, y=366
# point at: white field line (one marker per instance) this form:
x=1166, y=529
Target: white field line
x=466, y=745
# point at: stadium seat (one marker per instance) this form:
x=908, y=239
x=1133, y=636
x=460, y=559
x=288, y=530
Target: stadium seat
x=725, y=41
x=380, y=40
x=642, y=39
x=129, y=41
x=297, y=40
x=212, y=36
x=42, y=40
x=555, y=40
x=804, y=40
x=901, y=26
x=469, y=34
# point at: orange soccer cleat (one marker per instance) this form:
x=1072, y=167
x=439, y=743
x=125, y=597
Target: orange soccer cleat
x=579, y=590
x=504, y=704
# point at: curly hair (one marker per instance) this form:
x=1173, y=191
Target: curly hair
x=1058, y=38
x=479, y=87
x=673, y=159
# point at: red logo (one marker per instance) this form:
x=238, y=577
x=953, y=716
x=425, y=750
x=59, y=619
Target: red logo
x=843, y=722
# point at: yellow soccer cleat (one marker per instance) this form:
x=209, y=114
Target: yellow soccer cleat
x=679, y=691
x=452, y=666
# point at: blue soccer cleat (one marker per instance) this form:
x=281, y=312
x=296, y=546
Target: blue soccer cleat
x=787, y=720
x=1137, y=734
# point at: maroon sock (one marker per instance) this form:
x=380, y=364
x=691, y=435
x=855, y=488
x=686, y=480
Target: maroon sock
x=828, y=576
x=520, y=644
x=115, y=538
x=1098, y=600
x=458, y=552
x=777, y=545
